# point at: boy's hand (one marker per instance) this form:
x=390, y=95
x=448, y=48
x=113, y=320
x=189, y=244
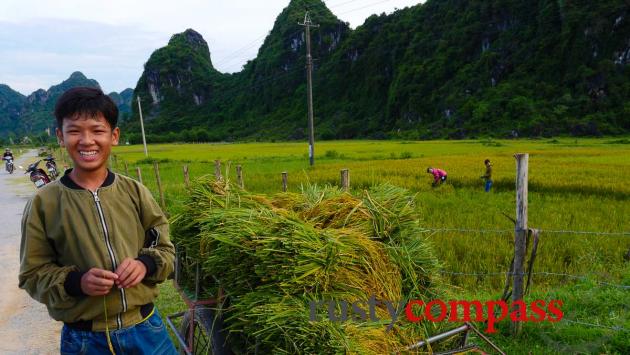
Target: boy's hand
x=130, y=272
x=97, y=282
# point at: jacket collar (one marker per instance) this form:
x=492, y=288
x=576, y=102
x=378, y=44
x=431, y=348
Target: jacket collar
x=68, y=182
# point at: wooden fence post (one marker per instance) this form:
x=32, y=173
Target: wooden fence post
x=159, y=185
x=239, y=176
x=139, y=172
x=345, y=179
x=520, y=232
x=217, y=170
x=186, y=177
x=126, y=169
x=284, y=181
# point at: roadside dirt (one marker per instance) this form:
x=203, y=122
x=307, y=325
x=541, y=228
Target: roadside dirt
x=25, y=326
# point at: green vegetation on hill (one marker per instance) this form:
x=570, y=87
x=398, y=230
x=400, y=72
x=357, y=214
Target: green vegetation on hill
x=31, y=115
x=445, y=68
x=11, y=103
x=38, y=114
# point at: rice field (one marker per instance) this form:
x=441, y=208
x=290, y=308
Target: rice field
x=574, y=184
x=580, y=185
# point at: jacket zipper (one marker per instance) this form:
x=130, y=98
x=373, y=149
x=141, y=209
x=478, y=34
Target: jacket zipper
x=155, y=242
x=110, y=251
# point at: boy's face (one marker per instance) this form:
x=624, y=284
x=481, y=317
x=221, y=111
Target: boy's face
x=88, y=140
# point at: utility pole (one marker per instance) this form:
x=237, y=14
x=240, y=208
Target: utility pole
x=309, y=82
x=144, y=140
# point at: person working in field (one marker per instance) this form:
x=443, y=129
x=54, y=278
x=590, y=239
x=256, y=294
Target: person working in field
x=439, y=175
x=488, y=176
x=95, y=244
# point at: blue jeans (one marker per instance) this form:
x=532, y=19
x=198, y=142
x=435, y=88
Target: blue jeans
x=148, y=337
x=488, y=185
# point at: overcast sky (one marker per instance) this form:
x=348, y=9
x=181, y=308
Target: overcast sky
x=42, y=42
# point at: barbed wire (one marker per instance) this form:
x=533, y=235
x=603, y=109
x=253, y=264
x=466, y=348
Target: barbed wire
x=584, y=232
x=616, y=327
x=544, y=273
x=457, y=273
x=464, y=230
x=553, y=231
x=581, y=277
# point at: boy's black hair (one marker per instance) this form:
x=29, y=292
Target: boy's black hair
x=87, y=101
x=486, y=161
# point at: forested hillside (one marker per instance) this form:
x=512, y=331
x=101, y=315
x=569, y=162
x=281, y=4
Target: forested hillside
x=445, y=68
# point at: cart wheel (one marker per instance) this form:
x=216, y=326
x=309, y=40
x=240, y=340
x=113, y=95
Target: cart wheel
x=207, y=337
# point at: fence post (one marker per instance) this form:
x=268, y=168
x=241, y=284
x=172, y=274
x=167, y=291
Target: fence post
x=186, y=177
x=284, y=181
x=139, y=172
x=239, y=176
x=126, y=169
x=159, y=185
x=520, y=232
x=217, y=170
x=345, y=179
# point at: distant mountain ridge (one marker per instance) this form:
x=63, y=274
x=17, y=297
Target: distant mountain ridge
x=11, y=106
x=442, y=69
x=33, y=114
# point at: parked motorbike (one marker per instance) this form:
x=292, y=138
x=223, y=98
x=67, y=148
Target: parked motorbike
x=38, y=175
x=51, y=166
x=9, y=165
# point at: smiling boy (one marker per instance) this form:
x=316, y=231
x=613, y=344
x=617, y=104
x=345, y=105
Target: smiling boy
x=95, y=244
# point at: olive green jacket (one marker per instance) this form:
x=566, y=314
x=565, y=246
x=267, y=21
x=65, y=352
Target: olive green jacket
x=66, y=230
x=488, y=175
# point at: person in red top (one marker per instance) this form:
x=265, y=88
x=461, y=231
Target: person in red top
x=439, y=175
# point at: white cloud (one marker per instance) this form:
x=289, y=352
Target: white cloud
x=42, y=42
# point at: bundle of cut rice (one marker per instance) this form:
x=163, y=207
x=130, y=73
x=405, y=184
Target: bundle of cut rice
x=275, y=257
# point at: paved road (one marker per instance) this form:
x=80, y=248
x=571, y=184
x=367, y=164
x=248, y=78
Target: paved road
x=25, y=327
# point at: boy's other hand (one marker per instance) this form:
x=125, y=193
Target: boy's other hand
x=130, y=272
x=97, y=282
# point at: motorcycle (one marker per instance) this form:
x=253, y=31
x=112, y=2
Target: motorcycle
x=38, y=175
x=9, y=165
x=51, y=166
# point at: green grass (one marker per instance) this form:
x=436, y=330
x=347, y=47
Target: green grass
x=169, y=302
x=573, y=185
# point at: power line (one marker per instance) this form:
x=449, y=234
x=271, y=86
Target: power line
x=233, y=55
x=261, y=82
x=334, y=5
x=237, y=51
x=364, y=7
